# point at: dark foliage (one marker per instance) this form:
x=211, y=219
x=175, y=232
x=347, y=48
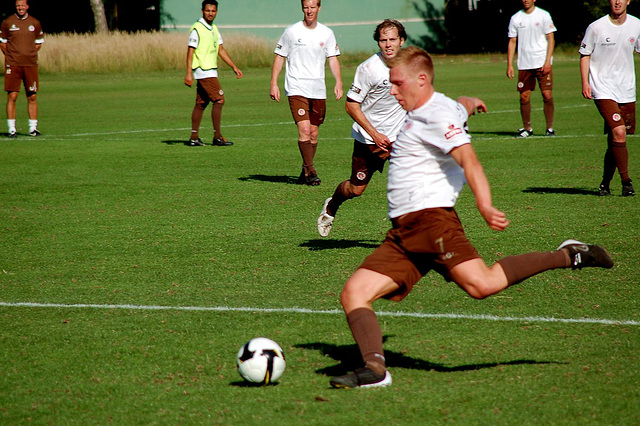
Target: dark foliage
x=484, y=29
x=76, y=15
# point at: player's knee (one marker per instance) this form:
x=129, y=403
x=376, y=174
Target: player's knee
x=357, y=190
x=619, y=134
x=478, y=288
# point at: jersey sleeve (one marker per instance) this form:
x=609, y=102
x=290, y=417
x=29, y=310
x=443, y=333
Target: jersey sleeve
x=549, y=26
x=588, y=42
x=39, y=34
x=331, y=47
x=512, y=30
x=282, y=47
x=360, y=86
x=194, y=39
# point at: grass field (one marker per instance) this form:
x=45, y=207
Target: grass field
x=133, y=267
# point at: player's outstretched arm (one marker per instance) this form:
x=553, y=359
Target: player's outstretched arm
x=334, y=65
x=278, y=62
x=466, y=157
x=472, y=105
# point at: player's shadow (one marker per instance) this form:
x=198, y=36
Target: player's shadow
x=494, y=133
x=349, y=359
x=566, y=191
x=289, y=180
x=174, y=142
x=330, y=244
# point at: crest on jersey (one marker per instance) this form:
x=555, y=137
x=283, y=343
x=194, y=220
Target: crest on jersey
x=361, y=175
x=301, y=112
x=453, y=131
x=32, y=28
x=616, y=117
x=221, y=92
x=520, y=85
x=355, y=89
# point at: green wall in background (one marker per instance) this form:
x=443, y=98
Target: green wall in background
x=353, y=21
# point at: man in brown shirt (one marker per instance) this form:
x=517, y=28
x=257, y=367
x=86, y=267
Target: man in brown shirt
x=21, y=37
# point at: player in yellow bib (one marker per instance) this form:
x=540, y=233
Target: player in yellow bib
x=205, y=45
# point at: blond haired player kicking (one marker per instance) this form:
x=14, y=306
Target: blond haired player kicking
x=431, y=160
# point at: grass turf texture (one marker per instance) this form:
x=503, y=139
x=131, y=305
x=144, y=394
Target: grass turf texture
x=110, y=207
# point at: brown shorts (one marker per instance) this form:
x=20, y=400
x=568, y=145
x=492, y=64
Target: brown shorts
x=527, y=80
x=365, y=161
x=15, y=75
x=616, y=114
x=209, y=90
x=419, y=242
x=303, y=109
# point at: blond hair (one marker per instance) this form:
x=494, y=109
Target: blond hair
x=418, y=59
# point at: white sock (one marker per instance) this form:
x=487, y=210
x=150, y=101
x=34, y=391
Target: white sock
x=12, y=125
x=33, y=125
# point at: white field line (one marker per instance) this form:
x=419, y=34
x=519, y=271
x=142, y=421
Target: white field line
x=327, y=312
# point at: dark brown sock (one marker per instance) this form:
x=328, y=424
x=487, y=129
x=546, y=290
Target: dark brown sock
x=340, y=195
x=216, y=117
x=368, y=336
x=306, y=151
x=196, y=119
x=609, y=167
x=525, y=112
x=520, y=267
x=549, y=110
x=621, y=155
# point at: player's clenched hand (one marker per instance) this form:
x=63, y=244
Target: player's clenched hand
x=188, y=80
x=496, y=219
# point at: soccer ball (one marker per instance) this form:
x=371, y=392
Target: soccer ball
x=261, y=360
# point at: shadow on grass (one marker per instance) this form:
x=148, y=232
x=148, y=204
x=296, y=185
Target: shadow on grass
x=245, y=384
x=274, y=179
x=324, y=244
x=349, y=359
x=176, y=142
x=567, y=191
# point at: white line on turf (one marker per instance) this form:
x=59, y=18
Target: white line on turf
x=313, y=311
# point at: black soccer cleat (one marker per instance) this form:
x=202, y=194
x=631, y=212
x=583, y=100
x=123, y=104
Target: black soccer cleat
x=221, y=142
x=586, y=255
x=12, y=135
x=361, y=378
x=35, y=133
x=195, y=142
x=604, y=190
x=627, y=189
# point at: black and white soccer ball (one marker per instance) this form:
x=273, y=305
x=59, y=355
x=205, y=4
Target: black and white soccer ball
x=261, y=361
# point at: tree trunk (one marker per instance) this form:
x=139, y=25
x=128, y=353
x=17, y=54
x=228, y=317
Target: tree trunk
x=99, y=16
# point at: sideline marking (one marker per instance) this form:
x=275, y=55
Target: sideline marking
x=330, y=312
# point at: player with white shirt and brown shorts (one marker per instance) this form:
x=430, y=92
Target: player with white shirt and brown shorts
x=306, y=46
x=431, y=160
x=377, y=119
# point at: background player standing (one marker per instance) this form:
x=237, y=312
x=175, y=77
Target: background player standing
x=532, y=30
x=21, y=38
x=377, y=115
x=205, y=45
x=608, y=76
x=429, y=164
x=306, y=45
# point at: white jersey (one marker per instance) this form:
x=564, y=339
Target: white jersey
x=422, y=174
x=531, y=29
x=194, y=40
x=371, y=88
x=611, y=69
x=306, y=51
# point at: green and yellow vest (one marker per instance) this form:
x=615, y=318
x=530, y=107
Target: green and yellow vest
x=206, y=54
